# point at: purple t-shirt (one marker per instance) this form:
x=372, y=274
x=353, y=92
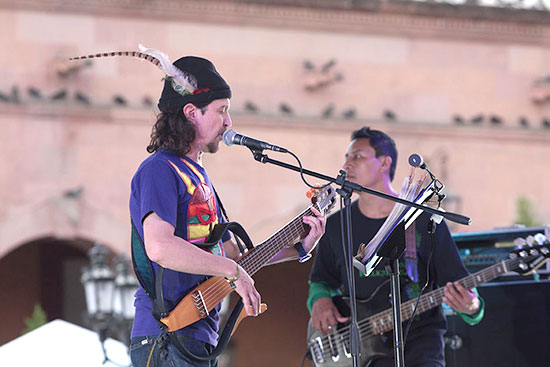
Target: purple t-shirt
x=179, y=191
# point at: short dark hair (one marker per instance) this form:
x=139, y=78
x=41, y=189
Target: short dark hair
x=382, y=144
x=173, y=132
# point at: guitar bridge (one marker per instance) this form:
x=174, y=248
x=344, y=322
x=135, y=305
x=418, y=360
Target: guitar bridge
x=200, y=304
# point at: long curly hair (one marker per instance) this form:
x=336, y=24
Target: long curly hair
x=173, y=132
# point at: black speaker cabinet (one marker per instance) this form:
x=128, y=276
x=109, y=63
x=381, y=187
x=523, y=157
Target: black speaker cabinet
x=515, y=331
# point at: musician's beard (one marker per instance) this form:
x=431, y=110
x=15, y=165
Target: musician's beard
x=214, y=145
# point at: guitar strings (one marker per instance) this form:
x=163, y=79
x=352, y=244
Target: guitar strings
x=439, y=292
x=257, y=259
x=365, y=325
x=251, y=266
x=218, y=290
x=436, y=293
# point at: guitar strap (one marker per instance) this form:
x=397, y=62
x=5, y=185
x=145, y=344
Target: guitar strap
x=224, y=213
x=410, y=253
x=226, y=218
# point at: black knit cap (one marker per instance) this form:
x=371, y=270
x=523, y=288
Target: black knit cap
x=210, y=85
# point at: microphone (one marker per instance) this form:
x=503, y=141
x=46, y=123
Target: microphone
x=416, y=160
x=231, y=137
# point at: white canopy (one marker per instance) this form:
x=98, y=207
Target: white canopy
x=62, y=344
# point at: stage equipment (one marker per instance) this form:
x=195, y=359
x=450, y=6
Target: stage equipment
x=517, y=308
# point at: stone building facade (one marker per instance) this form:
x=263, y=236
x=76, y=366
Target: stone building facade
x=465, y=86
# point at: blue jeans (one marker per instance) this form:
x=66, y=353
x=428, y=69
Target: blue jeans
x=167, y=355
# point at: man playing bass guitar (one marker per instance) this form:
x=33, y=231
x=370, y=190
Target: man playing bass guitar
x=370, y=161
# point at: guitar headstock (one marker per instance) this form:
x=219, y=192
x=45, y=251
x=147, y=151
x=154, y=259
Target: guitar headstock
x=532, y=252
x=323, y=199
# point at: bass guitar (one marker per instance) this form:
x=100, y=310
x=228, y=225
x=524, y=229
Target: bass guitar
x=333, y=350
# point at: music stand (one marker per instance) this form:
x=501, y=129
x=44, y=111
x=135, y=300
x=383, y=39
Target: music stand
x=391, y=248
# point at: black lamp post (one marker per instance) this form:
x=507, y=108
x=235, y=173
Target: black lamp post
x=109, y=295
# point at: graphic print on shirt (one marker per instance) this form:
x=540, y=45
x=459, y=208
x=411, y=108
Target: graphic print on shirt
x=202, y=212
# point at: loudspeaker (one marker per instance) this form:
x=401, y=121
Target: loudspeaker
x=515, y=330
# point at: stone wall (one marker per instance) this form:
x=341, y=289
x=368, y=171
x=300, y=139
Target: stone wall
x=66, y=164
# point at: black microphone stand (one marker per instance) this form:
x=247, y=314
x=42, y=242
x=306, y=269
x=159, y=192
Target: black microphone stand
x=346, y=193
x=398, y=342
x=346, y=190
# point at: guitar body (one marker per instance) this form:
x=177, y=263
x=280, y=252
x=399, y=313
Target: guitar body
x=201, y=300
x=336, y=347
x=373, y=346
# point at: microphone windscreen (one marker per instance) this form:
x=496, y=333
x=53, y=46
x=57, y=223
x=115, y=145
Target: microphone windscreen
x=416, y=160
x=228, y=136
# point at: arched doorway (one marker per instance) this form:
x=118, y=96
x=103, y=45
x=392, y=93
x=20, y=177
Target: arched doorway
x=43, y=272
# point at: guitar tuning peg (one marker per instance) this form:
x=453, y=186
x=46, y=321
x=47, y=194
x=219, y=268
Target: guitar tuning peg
x=530, y=240
x=540, y=238
x=519, y=242
x=313, y=191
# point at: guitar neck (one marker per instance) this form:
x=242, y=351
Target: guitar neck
x=383, y=321
x=266, y=250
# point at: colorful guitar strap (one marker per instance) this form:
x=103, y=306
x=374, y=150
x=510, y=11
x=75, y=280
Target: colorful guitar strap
x=410, y=253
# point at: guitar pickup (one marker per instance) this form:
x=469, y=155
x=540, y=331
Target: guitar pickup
x=333, y=344
x=347, y=347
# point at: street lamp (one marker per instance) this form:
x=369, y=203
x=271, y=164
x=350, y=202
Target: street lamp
x=98, y=280
x=109, y=295
x=125, y=287
x=123, y=297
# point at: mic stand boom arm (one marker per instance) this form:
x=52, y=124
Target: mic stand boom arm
x=351, y=186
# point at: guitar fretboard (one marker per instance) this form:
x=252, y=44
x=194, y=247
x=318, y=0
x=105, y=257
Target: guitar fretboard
x=266, y=250
x=383, y=321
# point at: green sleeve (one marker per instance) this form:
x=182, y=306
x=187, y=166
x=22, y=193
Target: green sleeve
x=319, y=290
x=476, y=317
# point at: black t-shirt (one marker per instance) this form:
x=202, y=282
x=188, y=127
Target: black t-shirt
x=445, y=266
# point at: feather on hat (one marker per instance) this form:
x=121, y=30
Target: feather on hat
x=189, y=79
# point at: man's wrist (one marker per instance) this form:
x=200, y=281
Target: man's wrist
x=474, y=306
x=319, y=290
x=477, y=316
x=302, y=253
x=231, y=279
